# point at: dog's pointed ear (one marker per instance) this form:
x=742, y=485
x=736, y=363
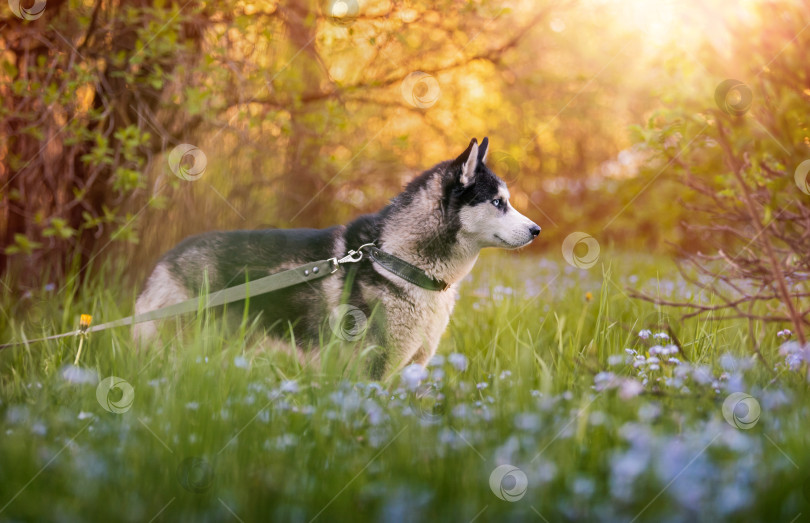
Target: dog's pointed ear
x=482, y=150
x=468, y=160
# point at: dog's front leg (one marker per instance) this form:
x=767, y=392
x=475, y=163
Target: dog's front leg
x=425, y=353
x=407, y=347
x=391, y=353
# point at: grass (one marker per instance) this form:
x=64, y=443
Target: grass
x=542, y=368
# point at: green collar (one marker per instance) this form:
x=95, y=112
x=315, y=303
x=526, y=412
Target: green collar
x=406, y=271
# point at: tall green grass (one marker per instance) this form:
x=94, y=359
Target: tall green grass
x=227, y=425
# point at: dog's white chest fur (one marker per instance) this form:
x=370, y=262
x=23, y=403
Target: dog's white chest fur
x=415, y=319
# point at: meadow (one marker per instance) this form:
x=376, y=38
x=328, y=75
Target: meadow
x=663, y=133
x=553, y=397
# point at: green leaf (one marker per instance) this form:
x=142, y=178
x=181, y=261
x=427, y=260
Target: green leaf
x=60, y=229
x=22, y=245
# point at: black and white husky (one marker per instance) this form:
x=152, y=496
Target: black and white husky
x=425, y=241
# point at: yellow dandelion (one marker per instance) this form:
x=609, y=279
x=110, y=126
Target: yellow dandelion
x=85, y=320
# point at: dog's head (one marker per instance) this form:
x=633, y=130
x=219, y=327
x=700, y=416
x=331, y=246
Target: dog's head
x=481, y=201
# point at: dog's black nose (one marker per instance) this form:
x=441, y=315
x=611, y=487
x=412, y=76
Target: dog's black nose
x=535, y=230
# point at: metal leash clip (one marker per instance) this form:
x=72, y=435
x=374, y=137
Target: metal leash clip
x=353, y=256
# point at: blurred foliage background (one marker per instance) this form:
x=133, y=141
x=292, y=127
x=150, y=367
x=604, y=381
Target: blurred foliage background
x=309, y=113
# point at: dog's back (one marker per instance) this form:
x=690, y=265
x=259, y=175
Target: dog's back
x=212, y=261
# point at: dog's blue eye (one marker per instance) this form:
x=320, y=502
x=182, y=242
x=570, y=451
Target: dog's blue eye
x=497, y=203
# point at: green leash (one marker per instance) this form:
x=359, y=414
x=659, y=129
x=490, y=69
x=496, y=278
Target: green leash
x=308, y=272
